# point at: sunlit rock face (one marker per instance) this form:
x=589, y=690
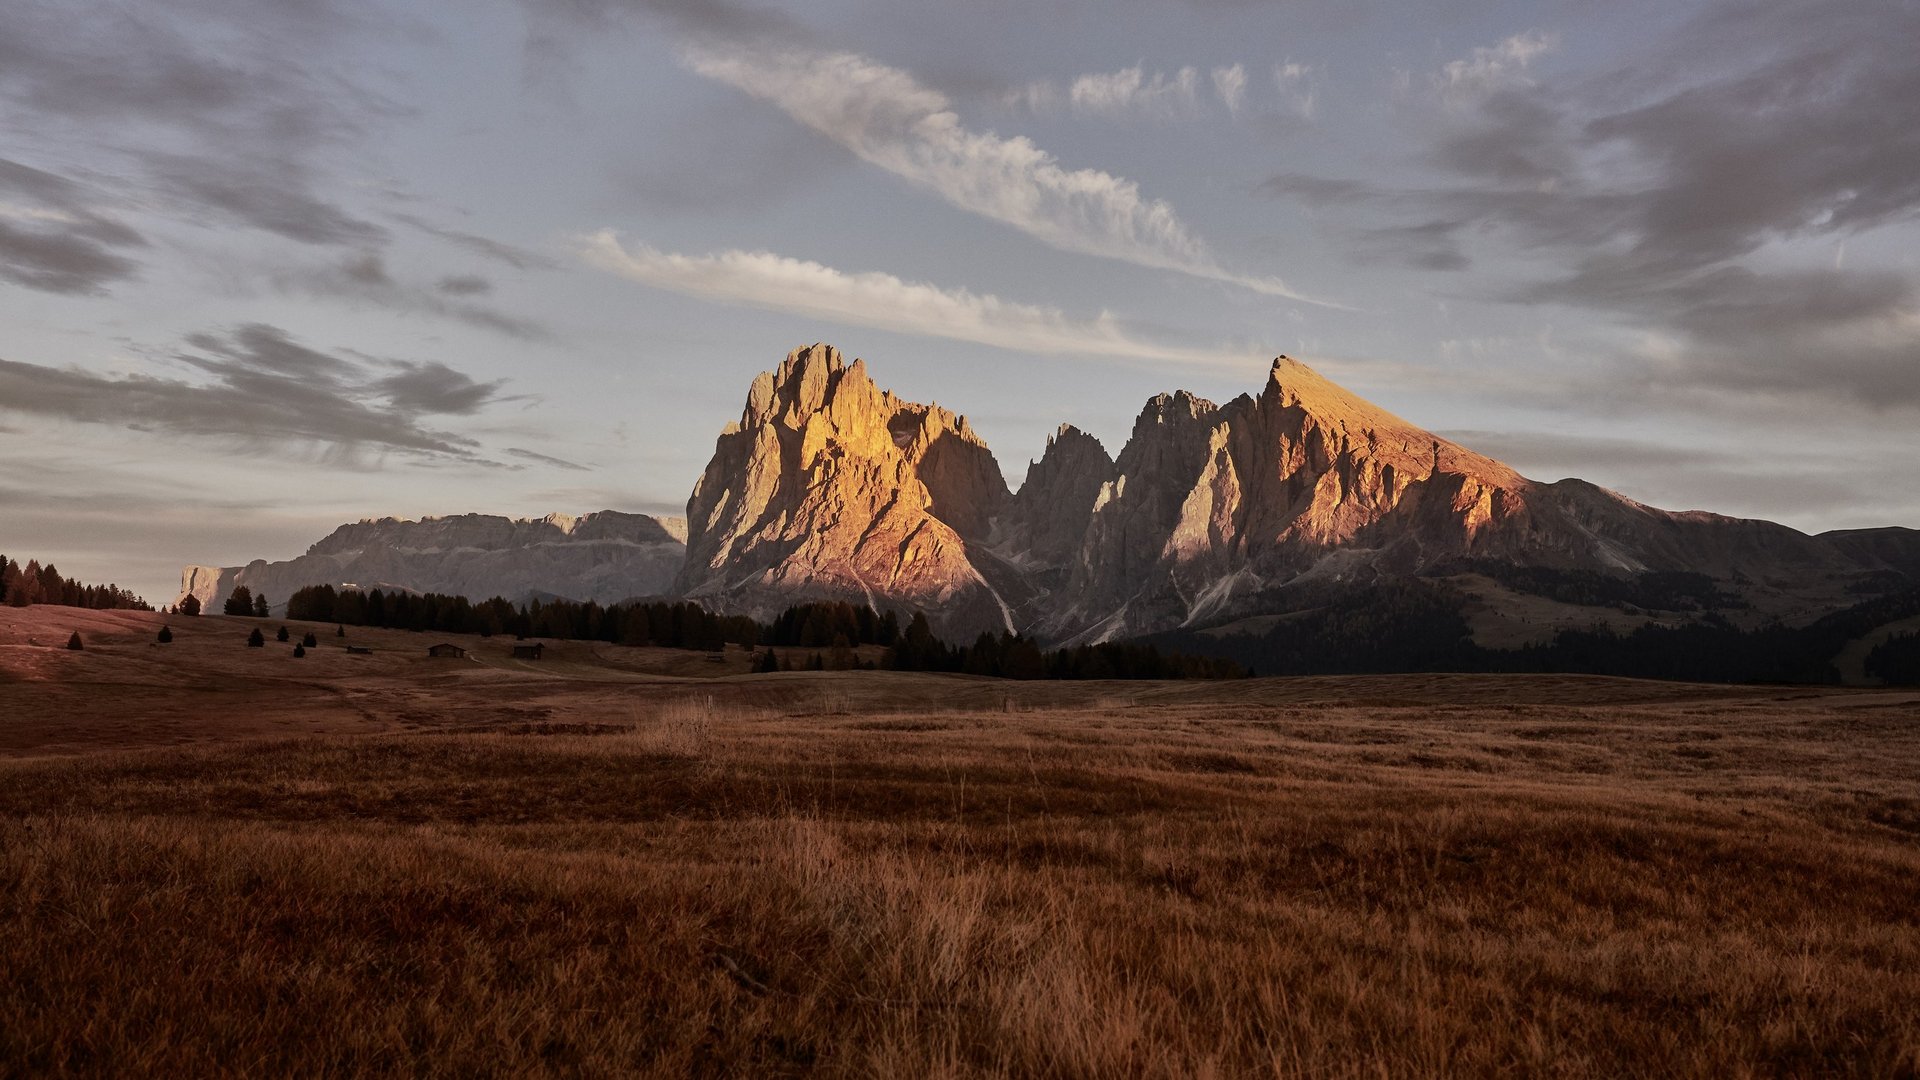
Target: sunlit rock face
x=607, y=557
x=830, y=488
x=1212, y=508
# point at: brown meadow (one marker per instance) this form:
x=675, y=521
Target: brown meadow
x=602, y=870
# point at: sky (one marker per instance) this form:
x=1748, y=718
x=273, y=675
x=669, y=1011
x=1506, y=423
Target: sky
x=267, y=266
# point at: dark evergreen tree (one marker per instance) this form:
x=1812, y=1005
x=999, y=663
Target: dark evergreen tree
x=261, y=608
x=74, y=642
x=166, y=635
x=299, y=651
x=256, y=640
x=310, y=641
x=189, y=606
x=240, y=603
x=282, y=635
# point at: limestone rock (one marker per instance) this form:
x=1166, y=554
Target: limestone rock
x=829, y=487
x=608, y=556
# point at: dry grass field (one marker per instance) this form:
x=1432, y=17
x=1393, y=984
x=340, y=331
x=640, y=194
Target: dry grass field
x=217, y=861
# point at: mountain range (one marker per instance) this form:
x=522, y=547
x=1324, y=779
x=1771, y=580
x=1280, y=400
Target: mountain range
x=829, y=487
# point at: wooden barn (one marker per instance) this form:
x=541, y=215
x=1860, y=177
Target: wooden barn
x=529, y=652
x=446, y=651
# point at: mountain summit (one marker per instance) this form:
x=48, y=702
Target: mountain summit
x=831, y=487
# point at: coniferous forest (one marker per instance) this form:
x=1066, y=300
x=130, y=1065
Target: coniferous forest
x=36, y=584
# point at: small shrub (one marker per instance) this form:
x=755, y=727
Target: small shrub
x=300, y=650
x=282, y=635
x=310, y=641
x=166, y=635
x=256, y=640
x=74, y=642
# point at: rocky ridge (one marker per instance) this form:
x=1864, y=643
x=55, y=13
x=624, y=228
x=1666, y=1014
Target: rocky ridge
x=829, y=487
x=607, y=556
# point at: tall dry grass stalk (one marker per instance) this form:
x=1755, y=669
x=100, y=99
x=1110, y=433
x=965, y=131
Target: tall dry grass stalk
x=1684, y=890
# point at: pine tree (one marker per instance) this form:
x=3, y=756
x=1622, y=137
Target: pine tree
x=256, y=640
x=166, y=635
x=340, y=631
x=74, y=642
x=261, y=608
x=282, y=635
x=768, y=662
x=299, y=651
x=189, y=607
x=310, y=641
x=240, y=603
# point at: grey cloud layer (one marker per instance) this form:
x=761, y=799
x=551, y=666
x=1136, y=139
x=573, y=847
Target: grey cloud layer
x=1679, y=212
x=264, y=388
x=53, y=239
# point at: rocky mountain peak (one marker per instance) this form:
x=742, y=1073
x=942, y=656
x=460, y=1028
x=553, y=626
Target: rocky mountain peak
x=830, y=485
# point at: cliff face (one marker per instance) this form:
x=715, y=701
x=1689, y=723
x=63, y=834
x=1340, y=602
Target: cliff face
x=606, y=557
x=829, y=487
x=1210, y=504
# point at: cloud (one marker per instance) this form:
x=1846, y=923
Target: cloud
x=516, y=257
x=1230, y=83
x=363, y=278
x=52, y=239
x=274, y=195
x=265, y=389
x=1494, y=67
x=223, y=106
x=885, y=302
x=1299, y=87
x=464, y=285
x=544, y=459
x=888, y=119
x=1128, y=92
x=1697, y=204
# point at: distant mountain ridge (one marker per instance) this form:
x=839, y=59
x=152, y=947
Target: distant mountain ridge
x=606, y=556
x=829, y=487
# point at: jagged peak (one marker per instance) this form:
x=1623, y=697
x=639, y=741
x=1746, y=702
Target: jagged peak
x=1182, y=404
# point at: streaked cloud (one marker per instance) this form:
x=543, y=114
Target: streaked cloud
x=889, y=119
x=1230, y=84
x=1493, y=67
x=885, y=302
x=261, y=387
x=52, y=237
x=1298, y=85
x=364, y=279
x=1131, y=92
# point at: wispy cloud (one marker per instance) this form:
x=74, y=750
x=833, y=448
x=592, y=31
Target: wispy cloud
x=883, y=301
x=364, y=279
x=53, y=239
x=1493, y=67
x=888, y=119
x=1230, y=83
x=1130, y=92
x=1299, y=87
x=263, y=388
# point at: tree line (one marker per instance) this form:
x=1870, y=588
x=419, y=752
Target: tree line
x=835, y=626
x=37, y=584
x=1420, y=626
x=675, y=625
